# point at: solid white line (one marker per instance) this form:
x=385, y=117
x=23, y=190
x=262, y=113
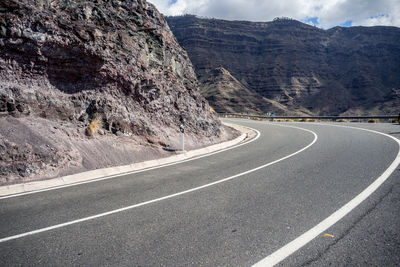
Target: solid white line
x=302, y=240
x=161, y=198
x=134, y=172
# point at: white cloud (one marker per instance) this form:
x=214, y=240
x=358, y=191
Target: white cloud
x=379, y=20
x=329, y=13
x=180, y=7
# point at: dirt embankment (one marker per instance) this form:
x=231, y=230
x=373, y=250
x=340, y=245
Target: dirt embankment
x=39, y=149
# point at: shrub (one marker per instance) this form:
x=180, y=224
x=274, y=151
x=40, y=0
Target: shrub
x=93, y=127
x=395, y=121
x=373, y=121
x=341, y=120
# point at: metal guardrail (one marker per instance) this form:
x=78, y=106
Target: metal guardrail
x=334, y=118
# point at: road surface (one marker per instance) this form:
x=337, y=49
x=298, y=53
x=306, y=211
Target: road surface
x=233, y=208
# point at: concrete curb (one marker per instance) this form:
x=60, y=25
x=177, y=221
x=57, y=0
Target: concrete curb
x=119, y=170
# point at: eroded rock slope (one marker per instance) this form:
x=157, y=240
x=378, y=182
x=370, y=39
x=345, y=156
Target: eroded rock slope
x=67, y=63
x=303, y=68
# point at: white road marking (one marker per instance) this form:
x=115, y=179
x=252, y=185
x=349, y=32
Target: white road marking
x=134, y=172
x=162, y=198
x=282, y=253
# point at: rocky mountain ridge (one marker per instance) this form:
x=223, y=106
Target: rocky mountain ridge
x=219, y=86
x=306, y=69
x=65, y=64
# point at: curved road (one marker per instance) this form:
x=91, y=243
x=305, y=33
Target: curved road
x=235, y=207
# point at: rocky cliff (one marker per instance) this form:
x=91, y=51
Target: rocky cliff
x=71, y=67
x=229, y=95
x=303, y=68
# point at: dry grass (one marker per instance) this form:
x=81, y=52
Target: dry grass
x=395, y=121
x=373, y=121
x=341, y=120
x=212, y=110
x=93, y=127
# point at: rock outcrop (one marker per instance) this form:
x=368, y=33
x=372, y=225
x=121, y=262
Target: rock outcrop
x=67, y=63
x=230, y=95
x=309, y=70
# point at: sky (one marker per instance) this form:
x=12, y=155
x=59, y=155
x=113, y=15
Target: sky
x=321, y=13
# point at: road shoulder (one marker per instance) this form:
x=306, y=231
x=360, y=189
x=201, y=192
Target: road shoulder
x=108, y=173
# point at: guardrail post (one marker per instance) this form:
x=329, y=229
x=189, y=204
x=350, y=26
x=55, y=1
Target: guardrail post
x=182, y=132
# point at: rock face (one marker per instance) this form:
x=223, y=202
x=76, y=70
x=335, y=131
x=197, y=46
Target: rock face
x=70, y=62
x=230, y=96
x=309, y=70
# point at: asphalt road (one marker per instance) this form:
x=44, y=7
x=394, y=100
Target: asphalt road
x=236, y=222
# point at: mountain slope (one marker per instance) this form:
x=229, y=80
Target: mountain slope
x=115, y=65
x=219, y=86
x=337, y=71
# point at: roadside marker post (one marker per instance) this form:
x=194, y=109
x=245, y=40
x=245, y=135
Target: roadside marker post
x=182, y=130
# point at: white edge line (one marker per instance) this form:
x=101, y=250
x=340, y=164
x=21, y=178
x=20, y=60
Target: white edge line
x=161, y=198
x=282, y=253
x=134, y=172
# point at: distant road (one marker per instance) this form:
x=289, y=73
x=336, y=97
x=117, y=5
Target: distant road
x=232, y=208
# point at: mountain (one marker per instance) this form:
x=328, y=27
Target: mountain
x=219, y=86
x=303, y=68
x=90, y=84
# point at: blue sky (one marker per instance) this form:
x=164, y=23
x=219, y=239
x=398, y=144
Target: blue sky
x=315, y=22
x=320, y=13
